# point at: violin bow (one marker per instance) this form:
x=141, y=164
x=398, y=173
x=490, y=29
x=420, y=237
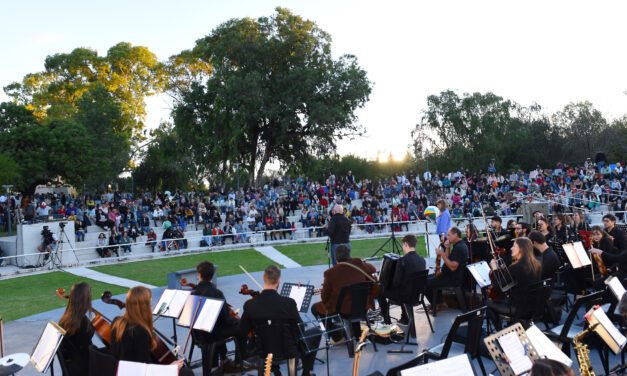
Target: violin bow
x=251, y=277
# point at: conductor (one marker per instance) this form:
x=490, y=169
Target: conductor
x=339, y=229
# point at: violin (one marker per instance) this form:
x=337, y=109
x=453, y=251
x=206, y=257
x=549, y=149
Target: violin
x=161, y=352
x=244, y=290
x=102, y=325
x=438, y=258
x=600, y=264
x=235, y=314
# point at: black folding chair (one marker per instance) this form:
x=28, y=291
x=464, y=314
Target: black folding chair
x=359, y=294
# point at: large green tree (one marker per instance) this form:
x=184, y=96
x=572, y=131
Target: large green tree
x=275, y=93
x=129, y=73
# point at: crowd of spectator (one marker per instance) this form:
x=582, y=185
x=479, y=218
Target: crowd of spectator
x=225, y=214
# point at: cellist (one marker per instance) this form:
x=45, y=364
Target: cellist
x=79, y=329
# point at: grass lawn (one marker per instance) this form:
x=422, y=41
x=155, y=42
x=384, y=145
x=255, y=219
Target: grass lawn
x=28, y=295
x=155, y=272
x=314, y=254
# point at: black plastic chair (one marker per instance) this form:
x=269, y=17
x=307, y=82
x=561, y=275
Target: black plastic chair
x=279, y=338
x=418, y=282
x=538, y=294
x=474, y=322
x=101, y=362
x=208, y=351
x=566, y=332
x=359, y=294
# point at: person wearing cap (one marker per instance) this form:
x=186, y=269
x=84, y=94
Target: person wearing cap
x=42, y=210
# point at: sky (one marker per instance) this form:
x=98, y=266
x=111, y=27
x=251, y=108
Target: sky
x=545, y=52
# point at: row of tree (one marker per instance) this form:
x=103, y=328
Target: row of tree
x=254, y=92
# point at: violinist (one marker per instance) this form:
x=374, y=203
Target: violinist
x=132, y=334
x=410, y=263
x=455, y=258
x=495, y=226
x=226, y=325
x=612, y=256
x=525, y=271
x=79, y=329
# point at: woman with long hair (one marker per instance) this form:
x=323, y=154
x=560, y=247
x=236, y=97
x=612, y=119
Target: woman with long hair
x=79, y=330
x=525, y=271
x=545, y=228
x=132, y=334
x=579, y=224
x=561, y=231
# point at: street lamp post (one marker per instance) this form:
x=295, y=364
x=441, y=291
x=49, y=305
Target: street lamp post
x=8, y=187
x=427, y=158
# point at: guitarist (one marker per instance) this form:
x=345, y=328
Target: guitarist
x=410, y=263
x=347, y=272
x=455, y=258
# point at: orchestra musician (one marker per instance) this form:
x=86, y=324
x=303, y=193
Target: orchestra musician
x=612, y=255
x=545, y=254
x=545, y=228
x=269, y=305
x=347, y=272
x=620, y=239
x=455, y=258
x=549, y=367
x=579, y=222
x=522, y=230
x=132, y=334
x=525, y=271
x=495, y=226
x=561, y=230
x=443, y=222
x=226, y=325
x=410, y=263
x=79, y=330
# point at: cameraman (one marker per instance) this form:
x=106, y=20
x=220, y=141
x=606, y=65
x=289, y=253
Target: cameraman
x=49, y=243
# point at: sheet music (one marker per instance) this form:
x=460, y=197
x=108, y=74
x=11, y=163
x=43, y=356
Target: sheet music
x=571, y=253
x=582, y=254
x=513, y=348
x=298, y=294
x=616, y=286
x=47, y=346
x=455, y=366
x=545, y=347
x=175, y=301
x=126, y=368
x=208, y=314
x=481, y=273
x=616, y=335
x=189, y=309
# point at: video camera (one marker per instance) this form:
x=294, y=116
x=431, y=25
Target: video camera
x=47, y=235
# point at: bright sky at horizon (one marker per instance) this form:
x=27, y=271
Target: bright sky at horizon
x=548, y=52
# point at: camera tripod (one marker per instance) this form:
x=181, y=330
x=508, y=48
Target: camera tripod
x=55, y=254
x=396, y=247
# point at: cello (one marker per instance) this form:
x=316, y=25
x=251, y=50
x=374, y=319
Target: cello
x=161, y=353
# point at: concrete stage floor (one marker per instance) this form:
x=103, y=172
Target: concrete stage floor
x=21, y=335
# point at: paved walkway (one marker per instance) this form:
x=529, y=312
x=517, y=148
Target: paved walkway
x=273, y=254
x=106, y=278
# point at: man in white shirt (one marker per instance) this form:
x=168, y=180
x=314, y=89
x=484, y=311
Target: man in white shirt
x=427, y=175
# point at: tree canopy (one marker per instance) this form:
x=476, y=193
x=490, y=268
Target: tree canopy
x=275, y=94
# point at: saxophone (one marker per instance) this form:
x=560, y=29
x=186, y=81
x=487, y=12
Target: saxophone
x=582, y=351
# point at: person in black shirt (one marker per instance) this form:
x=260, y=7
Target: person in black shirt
x=607, y=247
x=226, y=325
x=525, y=271
x=339, y=229
x=79, y=330
x=132, y=334
x=545, y=254
x=454, y=258
x=270, y=306
x=620, y=239
x=410, y=263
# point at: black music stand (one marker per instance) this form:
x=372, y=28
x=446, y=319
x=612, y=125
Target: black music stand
x=396, y=247
x=326, y=344
x=287, y=288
